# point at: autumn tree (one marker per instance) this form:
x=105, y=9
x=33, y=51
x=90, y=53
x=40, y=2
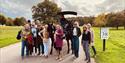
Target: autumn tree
x=100, y=20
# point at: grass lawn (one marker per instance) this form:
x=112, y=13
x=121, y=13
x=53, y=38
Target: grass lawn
x=115, y=47
x=8, y=35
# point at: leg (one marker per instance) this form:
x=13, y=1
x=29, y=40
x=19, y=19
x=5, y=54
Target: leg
x=87, y=51
x=39, y=49
x=68, y=46
x=94, y=50
x=72, y=45
x=45, y=49
x=42, y=47
x=52, y=44
x=27, y=48
x=22, y=49
x=35, y=44
x=76, y=47
x=84, y=48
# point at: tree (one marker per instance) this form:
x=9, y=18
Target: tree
x=45, y=11
x=89, y=19
x=9, y=22
x=2, y=19
x=115, y=20
x=19, y=21
x=100, y=20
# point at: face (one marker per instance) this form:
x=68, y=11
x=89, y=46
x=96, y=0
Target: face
x=46, y=26
x=88, y=26
x=84, y=28
x=75, y=24
x=57, y=27
x=27, y=27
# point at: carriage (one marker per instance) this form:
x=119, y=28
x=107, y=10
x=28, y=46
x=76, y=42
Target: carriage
x=67, y=26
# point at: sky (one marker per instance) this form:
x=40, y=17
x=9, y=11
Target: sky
x=19, y=8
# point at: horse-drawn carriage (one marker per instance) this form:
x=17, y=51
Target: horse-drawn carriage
x=67, y=26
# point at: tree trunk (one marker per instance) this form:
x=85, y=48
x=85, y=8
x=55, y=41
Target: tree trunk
x=117, y=27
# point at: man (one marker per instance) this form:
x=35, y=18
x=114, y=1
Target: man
x=92, y=38
x=76, y=32
x=51, y=30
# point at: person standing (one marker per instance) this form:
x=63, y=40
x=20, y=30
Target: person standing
x=76, y=32
x=46, y=40
x=85, y=41
x=51, y=30
x=39, y=39
x=34, y=34
x=24, y=33
x=92, y=38
x=58, y=41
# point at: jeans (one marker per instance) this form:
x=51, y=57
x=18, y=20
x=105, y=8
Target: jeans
x=75, y=45
x=86, y=49
x=24, y=45
x=46, y=47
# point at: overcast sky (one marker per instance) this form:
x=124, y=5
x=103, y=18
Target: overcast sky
x=17, y=8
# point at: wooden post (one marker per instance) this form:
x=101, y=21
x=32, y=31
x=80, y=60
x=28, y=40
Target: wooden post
x=104, y=44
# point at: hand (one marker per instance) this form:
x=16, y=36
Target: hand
x=92, y=43
x=81, y=43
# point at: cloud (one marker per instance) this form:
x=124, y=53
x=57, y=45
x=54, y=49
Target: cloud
x=17, y=8
x=14, y=8
x=110, y=6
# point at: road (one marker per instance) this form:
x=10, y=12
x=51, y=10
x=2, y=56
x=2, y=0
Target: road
x=11, y=54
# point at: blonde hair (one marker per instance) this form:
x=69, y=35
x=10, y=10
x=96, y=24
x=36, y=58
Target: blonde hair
x=89, y=25
x=85, y=26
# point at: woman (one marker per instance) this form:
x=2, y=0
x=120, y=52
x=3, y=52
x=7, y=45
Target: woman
x=76, y=32
x=86, y=38
x=46, y=40
x=34, y=34
x=92, y=38
x=24, y=35
x=58, y=41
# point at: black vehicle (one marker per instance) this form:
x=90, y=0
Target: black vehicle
x=67, y=26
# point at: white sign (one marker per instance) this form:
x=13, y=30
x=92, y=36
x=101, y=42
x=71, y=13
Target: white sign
x=104, y=33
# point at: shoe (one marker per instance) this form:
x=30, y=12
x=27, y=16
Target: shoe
x=94, y=55
x=60, y=59
x=57, y=58
x=46, y=56
x=38, y=54
x=88, y=62
x=51, y=53
x=85, y=59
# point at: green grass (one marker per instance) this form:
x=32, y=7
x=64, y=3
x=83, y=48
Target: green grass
x=115, y=47
x=8, y=35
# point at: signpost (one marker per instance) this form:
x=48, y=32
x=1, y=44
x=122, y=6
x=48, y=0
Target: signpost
x=104, y=35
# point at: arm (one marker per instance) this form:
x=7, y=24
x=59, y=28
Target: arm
x=89, y=37
x=82, y=40
x=92, y=36
x=79, y=32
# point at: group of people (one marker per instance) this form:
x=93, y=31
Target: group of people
x=37, y=37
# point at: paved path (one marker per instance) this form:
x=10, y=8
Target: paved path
x=11, y=54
